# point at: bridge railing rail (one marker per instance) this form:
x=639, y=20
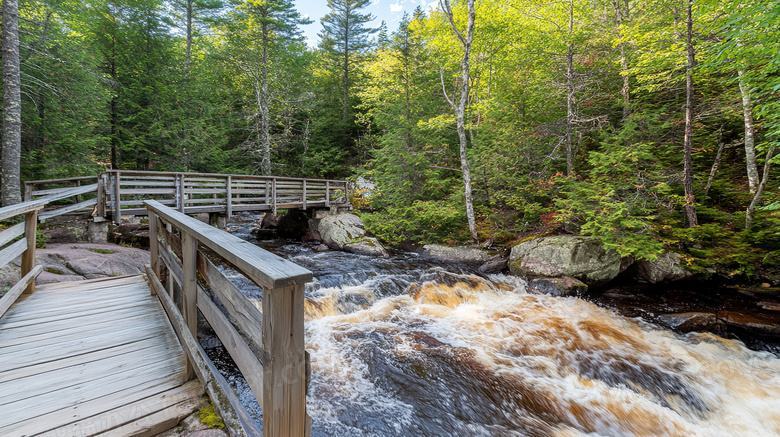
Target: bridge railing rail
x=267, y=346
x=13, y=246
x=221, y=193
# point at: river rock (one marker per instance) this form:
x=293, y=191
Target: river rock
x=563, y=286
x=579, y=257
x=269, y=221
x=292, y=225
x=79, y=261
x=755, y=323
x=347, y=232
x=665, y=269
x=692, y=321
x=457, y=254
x=495, y=265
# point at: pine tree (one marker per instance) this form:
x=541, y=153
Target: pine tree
x=345, y=35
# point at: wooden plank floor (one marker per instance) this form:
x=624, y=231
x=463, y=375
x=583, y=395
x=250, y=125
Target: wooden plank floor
x=90, y=358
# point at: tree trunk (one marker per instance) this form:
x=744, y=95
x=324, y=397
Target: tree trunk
x=188, y=54
x=265, y=137
x=460, y=109
x=570, y=93
x=346, y=77
x=750, y=141
x=760, y=190
x=12, y=106
x=690, y=201
x=715, y=164
x=622, y=14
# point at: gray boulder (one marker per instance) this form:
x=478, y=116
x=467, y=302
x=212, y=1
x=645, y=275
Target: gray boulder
x=494, y=265
x=565, y=286
x=457, y=254
x=347, y=232
x=579, y=257
x=665, y=269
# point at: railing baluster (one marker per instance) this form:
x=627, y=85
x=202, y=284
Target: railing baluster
x=154, y=249
x=117, y=203
x=28, y=257
x=229, y=197
x=189, y=286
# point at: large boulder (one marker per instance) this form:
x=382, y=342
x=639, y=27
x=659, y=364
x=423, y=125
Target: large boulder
x=457, y=254
x=692, y=321
x=665, y=269
x=347, y=232
x=579, y=257
x=292, y=225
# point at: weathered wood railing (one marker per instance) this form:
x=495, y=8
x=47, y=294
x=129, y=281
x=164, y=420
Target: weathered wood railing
x=24, y=247
x=221, y=193
x=267, y=347
x=53, y=190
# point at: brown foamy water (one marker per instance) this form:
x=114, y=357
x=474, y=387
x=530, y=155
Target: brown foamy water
x=461, y=355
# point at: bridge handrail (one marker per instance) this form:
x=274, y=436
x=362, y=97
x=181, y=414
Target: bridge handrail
x=268, y=348
x=24, y=247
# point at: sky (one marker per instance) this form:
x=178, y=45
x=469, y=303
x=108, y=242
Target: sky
x=389, y=10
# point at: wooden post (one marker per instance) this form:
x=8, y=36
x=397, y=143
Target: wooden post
x=77, y=197
x=327, y=193
x=101, y=197
x=273, y=192
x=28, y=257
x=304, y=194
x=180, y=203
x=154, y=249
x=170, y=283
x=284, y=374
x=117, y=203
x=346, y=191
x=229, y=197
x=267, y=200
x=28, y=191
x=189, y=286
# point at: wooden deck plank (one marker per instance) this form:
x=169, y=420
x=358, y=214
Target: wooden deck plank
x=131, y=391
x=87, y=357
x=85, y=284
x=37, y=310
x=32, y=386
x=184, y=399
x=63, y=316
x=17, y=335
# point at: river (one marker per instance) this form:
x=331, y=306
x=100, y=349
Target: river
x=407, y=347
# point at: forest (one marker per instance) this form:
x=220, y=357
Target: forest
x=651, y=125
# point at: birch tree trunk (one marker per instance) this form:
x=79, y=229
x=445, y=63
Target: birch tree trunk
x=750, y=141
x=460, y=108
x=690, y=201
x=622, y=14
x=760, y=190
x=12, y=106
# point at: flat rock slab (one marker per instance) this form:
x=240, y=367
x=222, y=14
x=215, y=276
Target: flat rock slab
x=79, y=261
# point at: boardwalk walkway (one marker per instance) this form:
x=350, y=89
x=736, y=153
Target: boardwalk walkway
x=94, y=357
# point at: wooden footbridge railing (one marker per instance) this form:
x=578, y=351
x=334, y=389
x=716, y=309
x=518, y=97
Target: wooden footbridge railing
x=267, y=347
x=122, y=192
x=74, y=347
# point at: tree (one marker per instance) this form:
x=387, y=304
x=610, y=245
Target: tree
x=274, y=25
x=460, y=109
x=191, y=10
x=690, y=201
x=12, y=105
x=345, y=35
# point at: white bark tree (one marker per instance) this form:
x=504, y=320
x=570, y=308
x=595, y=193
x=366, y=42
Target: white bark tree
x=460, y=108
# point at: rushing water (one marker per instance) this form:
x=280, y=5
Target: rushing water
x=406, y=347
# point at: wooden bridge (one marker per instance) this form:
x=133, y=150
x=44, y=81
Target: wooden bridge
x=119, y=356
x=123, y=192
